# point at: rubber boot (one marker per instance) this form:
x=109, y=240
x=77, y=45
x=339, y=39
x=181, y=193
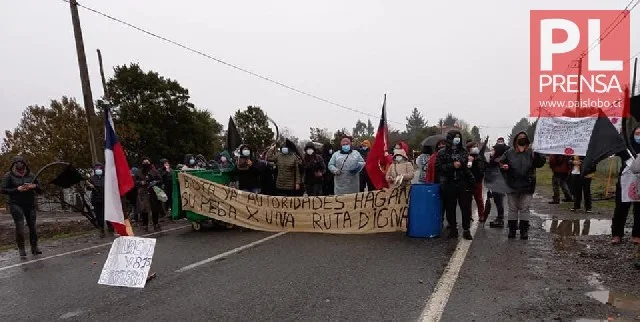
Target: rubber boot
x=524, y=229
x=20, y=243
x=453, y=232
x=467, y=235
x=513, y=226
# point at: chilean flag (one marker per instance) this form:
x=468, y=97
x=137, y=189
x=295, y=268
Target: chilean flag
x=377, y=160
x=117, y=179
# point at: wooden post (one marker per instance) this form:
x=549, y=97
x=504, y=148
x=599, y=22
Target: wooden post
x=635, y=69
x=606, y=189
x=579, y=86
x=84, y=78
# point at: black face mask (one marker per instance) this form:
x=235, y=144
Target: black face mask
x=523, y=142
x=146, y=165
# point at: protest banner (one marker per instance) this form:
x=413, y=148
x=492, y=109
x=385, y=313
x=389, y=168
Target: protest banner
x=566, y=135
x=359, y=213
x=128, y=262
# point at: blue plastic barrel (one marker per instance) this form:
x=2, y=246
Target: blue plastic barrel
x=425, y=211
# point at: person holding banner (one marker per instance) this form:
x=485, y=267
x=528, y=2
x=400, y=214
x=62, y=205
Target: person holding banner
x=346, y=165
x=520, y=164
x=621, y=210
x=289, y=177
x=314, y=170
x=401, y=171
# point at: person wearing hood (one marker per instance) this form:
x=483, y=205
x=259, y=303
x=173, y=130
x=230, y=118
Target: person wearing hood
x=224, y=160
x=621, y=210
x=493, y=174
x=561, y=167
x=190, y=162
x=248, y=170
x=478, y=166
x=314, y=169
x=346, y=165
x=289, y=177
x=148, y=202
x=21, y=186
x=365, y=182
x=401, y=171
x=457, y=182
x=167, y=182
x=328, y=184
x=96, y=185
x=520, y=164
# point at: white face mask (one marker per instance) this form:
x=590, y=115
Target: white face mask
x=246, y=153
x=397, y=151
x=475, y=151
x=399, y=158
x=98, y=172
x=310, y=151
x=223, y=159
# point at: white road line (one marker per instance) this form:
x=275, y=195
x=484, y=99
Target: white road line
x=438, y=300
x=230, y=252
x=83, y=249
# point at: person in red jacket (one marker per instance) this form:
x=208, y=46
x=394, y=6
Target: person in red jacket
x=431, y=167
x=560, y=167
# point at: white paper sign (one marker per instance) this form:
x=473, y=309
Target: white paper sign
x=128, y=262
x=630, y=186
x=563, y=135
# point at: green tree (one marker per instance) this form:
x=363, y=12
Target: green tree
x=522, y=125
x=371, y=131
x=253, y=126
x=415, y=122
x=475, y=134
x=450, y=120
x=285, y=133
x=338, y=136
x=319, y=135
x=360, y=130
x=48, y=134
x=154, y=118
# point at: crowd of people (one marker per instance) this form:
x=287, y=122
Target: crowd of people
x=463, y=170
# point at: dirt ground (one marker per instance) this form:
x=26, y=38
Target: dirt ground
x=581, y=246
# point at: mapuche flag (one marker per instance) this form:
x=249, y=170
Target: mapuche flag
x=117, y=179
x=376, y=164
x=233, y=136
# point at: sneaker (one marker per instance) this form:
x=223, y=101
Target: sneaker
x=467, y=235
x=35, y=250
x=574, y=209
x=498, y=223
x=453, y=233
x=616, y=240
x=22, y=252
x=588, y=211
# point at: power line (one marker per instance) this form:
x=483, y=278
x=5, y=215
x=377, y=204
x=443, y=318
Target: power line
x=244, y=70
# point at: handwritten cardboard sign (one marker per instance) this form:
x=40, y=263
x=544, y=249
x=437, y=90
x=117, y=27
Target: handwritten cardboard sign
x=358, y=213
x=128, y=262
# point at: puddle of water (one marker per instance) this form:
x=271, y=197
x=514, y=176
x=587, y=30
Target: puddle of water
x=618, y=300
x=578, y=227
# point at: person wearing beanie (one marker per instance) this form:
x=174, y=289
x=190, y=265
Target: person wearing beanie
x=365, y=182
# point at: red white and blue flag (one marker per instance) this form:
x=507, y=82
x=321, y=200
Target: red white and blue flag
x=117, y=179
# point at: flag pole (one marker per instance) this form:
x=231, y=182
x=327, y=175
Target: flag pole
x=606, y=189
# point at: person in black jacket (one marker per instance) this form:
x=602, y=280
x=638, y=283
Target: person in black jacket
x=147, y=201
x=365, y=182
x=621, y=210
x=21, y=185
x=492, y=178
x=248, y=170
x=328, y=184
x=457, y=183
x=478, y=166
x=520, y=164
x=96, y=185
x=313, y=170
x=167, y=183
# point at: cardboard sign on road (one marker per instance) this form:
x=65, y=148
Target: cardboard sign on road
x=128, y=262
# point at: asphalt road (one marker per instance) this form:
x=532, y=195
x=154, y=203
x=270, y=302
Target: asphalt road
x=290, y=277
x=308, y=277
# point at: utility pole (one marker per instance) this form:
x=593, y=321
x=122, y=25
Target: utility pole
x=635, y=69
x=84, y=78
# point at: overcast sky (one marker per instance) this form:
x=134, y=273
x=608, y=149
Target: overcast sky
x=470, y=58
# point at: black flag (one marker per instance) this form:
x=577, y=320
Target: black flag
x=605, y=141
x=233, y=136
x=67, y=178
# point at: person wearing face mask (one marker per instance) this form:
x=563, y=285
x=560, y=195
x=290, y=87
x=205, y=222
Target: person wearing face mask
x=314, y=169
x=430, y=176
x=621, y=210
x=148, y=202
x=21, y=186
x=496, y=187
x=478, y=166
x=401, y=171
x=190, y=162
x=167, y=182
x=422, y=162
x=96, y=185
x=365, y=182
x=520, y=164
x=328, y=184
x=289, y=177
x=346, y=165
x=457, y=183
x=247, y=171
